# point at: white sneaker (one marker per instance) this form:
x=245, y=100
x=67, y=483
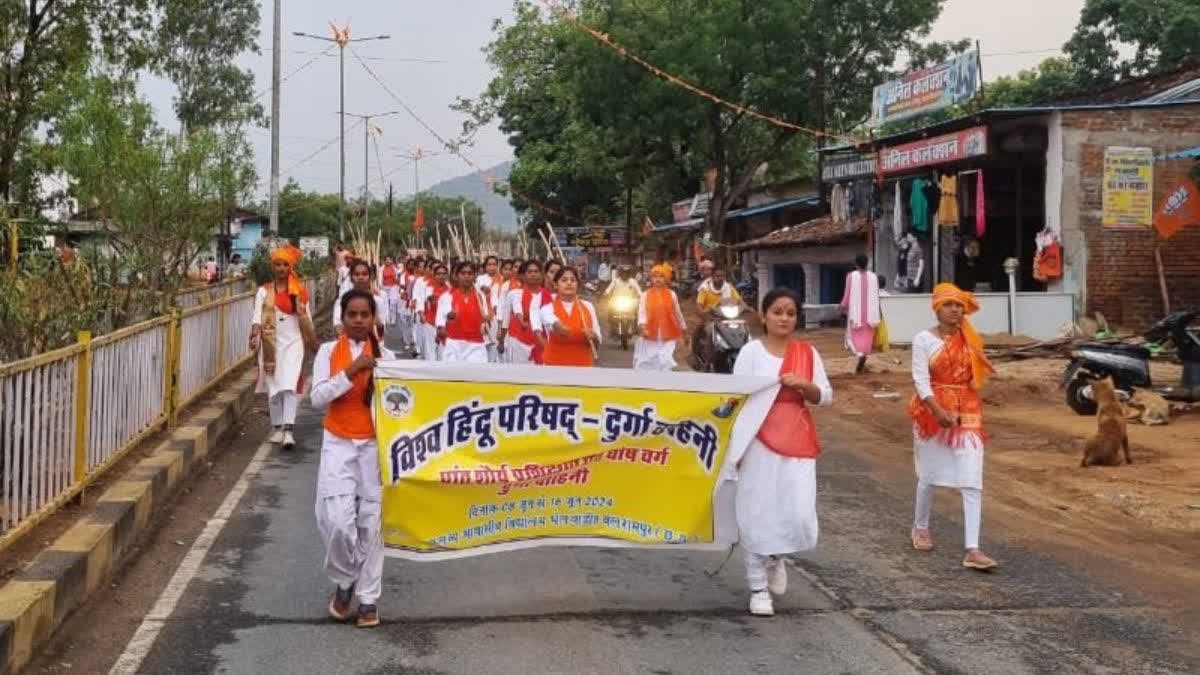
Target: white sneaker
x=761, y=604
x=277, y=437
x=777, y=577
x=289, y=441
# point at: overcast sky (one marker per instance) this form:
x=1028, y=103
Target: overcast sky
x=434, y=56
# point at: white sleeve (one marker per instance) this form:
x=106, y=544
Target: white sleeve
x=337, y=309
x=820, y=379
x=546, y=318
x=641, y=317
x=326, y=389
x=259, y=299
x=382, y=313
x=483, y=281
x=510, y=306
x=744, y=365
x=595, y=321
x=444, y=307
x=920, y=366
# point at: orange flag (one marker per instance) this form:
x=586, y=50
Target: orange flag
x=419, y=220
x=1181, y=208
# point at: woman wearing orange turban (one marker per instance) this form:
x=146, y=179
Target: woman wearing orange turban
x=281, y=331
x=660, y=321
x=949, y=369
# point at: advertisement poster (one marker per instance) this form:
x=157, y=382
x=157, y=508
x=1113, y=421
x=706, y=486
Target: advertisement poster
x=479, y=459
x=1128, y=187
x=926, y=90
x=952, y=147
x=314, y=247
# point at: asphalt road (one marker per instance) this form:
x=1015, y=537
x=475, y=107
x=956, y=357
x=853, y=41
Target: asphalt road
x=864, y=602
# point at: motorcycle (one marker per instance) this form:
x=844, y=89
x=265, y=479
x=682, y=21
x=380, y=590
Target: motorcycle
x=1129, y=364
x=748, y=289
x=622, y=317
x=722, y=339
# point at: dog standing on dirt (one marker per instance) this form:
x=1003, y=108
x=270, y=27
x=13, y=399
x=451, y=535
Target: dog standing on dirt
x=1111, y=437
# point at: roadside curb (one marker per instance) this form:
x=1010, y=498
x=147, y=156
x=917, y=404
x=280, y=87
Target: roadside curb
x=35, y=602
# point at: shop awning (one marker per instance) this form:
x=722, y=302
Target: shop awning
x=1190, y=153
x=668, y=228
x=810, y=201
x=817, y=232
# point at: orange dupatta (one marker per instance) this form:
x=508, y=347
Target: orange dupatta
x=575, y=349
x=661, y=322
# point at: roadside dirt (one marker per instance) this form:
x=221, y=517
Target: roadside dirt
x=1142, y=518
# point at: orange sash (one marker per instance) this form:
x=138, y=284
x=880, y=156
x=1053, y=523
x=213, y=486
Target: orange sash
x=518, y=326
x=574, y=349
x=789, y=429
x=389, y=276
x=951, y=373
x=348, y=417
x=431, y=302
x=661, y=322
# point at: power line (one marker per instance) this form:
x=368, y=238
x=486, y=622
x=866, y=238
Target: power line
x=321, y=149
x=297, y=70
x=385, y=59
x=1024, y=52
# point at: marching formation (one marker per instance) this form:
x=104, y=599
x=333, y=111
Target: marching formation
x=528, y=313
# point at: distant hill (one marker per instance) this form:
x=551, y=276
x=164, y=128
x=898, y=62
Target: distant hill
x=500, y=214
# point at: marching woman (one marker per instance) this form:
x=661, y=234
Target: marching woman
x=549, y=274
x=435, y=289
x=660, y=321
x=462, y=317
x=488, y=283
x=349, y=488
x=570, y=324
x=281, y=330
x=362, y=279
x=523, y=344
x=949, y=369
x=776, y=500
x=417, y=297
x=389, y=280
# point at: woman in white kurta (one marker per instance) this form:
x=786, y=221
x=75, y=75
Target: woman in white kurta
x=418, y=296
x=431, y=294
x=520, y=306
x=660, y=323
x=570, y=324
x=462, y=317
x=349, y=489
x=777, y=477
x=281, y=328
x=361, y=279
x=949, y=369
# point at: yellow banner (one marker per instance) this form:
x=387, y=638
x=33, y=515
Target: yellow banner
x=474, y=464
x=1128, y=197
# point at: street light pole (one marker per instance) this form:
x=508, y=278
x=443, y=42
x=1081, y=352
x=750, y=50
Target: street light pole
x=341, y=37
x=366, y=158
x=276, y=66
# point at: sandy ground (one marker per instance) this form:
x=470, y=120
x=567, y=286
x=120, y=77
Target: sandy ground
x=1146, y=514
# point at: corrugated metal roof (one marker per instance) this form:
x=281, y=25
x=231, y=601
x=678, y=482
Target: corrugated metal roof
x=821, y=231
x=1190, y=153
x=671, y=227
x=1186, y=92
x=807, y=200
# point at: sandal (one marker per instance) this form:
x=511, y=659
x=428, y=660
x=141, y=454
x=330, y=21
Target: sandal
x=976, y=560
x=922, y=540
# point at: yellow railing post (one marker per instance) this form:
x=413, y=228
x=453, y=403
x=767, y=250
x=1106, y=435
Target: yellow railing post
x=171, y=369
x=83, y=393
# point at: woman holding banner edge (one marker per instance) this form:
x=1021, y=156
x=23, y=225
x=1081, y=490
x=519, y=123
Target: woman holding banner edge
x=570, y=322
x=777, y=481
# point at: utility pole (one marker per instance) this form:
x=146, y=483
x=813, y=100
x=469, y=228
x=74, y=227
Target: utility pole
x=341, y=37
x=276, y=67
x=367, y=158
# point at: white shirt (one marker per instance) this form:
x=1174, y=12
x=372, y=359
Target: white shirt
x=512, y=306
x=381, y=309
x=326, y=389
x=924, y=345
x=546, y=319
x=420, y=293
x=754, y=359
x=618, y=285
x=484, y=283
x=446, y=306
x=602, y=272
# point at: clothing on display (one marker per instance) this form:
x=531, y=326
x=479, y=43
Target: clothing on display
x=980, y=206
x=918, y=201
x=1047, y=263
x=948, y=207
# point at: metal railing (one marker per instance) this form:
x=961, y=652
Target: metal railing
x=194, y=297
x=68, y=415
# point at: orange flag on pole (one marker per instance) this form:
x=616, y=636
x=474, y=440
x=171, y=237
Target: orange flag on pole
x=1181, y=208
x=419, y=220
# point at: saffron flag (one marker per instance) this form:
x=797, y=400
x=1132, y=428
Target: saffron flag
x=480, y=459
x=419, y=219
x=1180, y=209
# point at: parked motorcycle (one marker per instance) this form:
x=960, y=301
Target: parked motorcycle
x=1129, y=364
x=622, y=317
x=721, y=340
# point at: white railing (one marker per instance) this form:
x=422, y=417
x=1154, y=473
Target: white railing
x=194, y=297
x=67, y=416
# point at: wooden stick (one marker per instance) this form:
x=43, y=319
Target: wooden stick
x=1162, y=279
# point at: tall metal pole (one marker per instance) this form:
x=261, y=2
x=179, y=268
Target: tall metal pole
x=342, y=136
x=366, y=171
x=276, y=67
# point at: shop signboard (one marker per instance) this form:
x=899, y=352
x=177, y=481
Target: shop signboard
x=841, y=167
x=607, y=236
x=925, y=91
x=315, y=247
x=932, y=151
x=1128, y=187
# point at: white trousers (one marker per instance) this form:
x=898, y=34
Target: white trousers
x=972, y=499
x=427, y=335
x=353, y=544
x=283, y=408
x=757, y=566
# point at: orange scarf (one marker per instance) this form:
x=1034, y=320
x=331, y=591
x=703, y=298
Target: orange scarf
x=348, y=417
x=951, y=374
x=981, y=368
x=661, y=322
x=789, y=429
x=574, y=349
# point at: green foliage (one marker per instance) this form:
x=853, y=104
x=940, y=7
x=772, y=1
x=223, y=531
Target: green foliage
x=1120, y=38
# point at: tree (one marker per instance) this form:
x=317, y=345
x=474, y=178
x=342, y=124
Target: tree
x=1155, y=34
x=194, y=45
x=592, y=127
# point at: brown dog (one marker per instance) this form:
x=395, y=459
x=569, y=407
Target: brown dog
x=1104, y=448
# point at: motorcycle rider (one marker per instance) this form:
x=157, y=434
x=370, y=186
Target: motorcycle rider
x=623, y=283
x=713, y=292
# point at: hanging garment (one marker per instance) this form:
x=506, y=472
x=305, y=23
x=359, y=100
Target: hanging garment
x=1047, y=262
x=898, y=214
x=980, y=207
x=948, y=207
x=919, y=204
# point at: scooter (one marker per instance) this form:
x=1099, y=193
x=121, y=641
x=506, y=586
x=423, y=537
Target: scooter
x=1129, y=364
x=723, y=338
x=622, y=317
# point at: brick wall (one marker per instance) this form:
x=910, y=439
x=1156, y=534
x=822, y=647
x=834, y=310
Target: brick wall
x=1122, y=279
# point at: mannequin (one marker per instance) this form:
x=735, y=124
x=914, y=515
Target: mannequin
x=911, y=264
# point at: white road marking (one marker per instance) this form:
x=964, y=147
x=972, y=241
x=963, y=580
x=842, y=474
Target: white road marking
x=141, y=642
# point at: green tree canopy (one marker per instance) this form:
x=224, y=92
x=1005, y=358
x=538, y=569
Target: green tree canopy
x=1120, y=38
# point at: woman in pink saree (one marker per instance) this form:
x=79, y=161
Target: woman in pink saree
x=860, y=303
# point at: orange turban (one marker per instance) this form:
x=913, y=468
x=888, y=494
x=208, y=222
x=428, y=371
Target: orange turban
x=945, y=293
x=664, y=269
x=291, y=255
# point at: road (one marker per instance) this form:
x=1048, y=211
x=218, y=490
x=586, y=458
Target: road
x=864, y=602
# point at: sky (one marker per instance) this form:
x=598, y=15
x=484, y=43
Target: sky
x=434, y=56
